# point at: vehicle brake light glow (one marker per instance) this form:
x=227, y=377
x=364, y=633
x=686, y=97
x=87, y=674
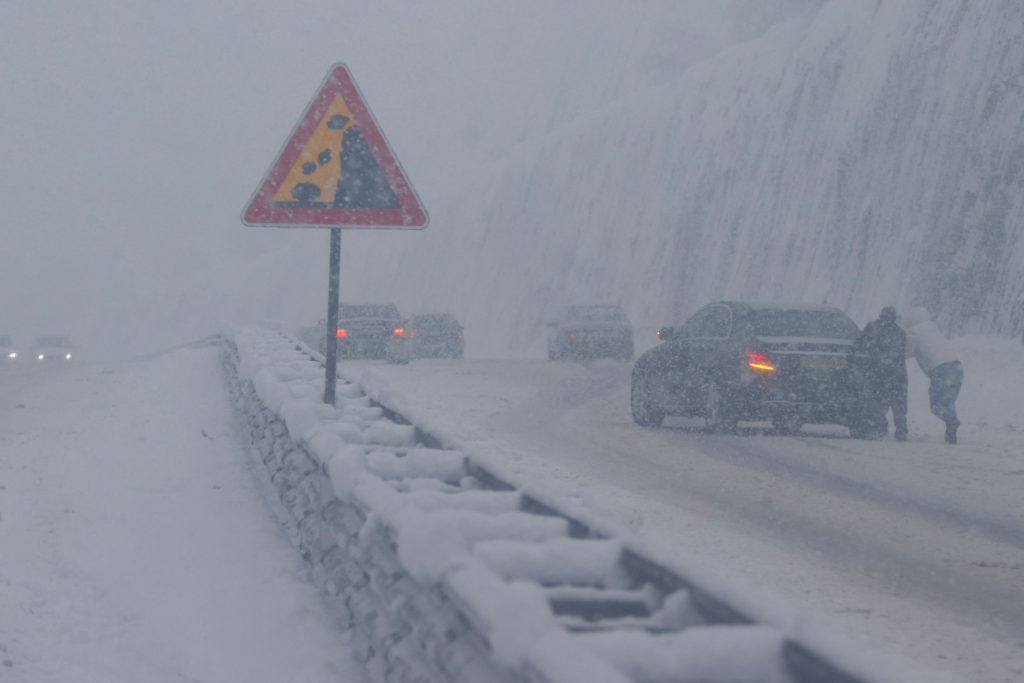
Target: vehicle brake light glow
x=571, y=335
x=759, y=362
x=342, y=333
x=399, y=332
x=412, y=332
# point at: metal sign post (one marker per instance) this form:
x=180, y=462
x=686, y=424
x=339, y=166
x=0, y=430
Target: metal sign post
x=331, y=333
x=336, y=171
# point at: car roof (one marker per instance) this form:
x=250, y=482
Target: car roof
x=780, y=306
x=446, y=316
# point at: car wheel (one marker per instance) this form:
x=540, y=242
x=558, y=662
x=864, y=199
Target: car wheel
x=645, y=413
x=787, y=424
x=717, y=415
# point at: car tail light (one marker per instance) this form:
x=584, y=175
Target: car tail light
x=399, y=332
x=570, y=335
x=412, y=332
x=758, y=362
x=342, y=333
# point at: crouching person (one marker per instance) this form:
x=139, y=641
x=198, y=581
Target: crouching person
x=935, y=356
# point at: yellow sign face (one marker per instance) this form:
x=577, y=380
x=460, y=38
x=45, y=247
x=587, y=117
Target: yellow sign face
x=315, y=174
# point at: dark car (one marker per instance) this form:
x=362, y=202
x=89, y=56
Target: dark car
x=366, y=330
x=732, y=361
x=433, y=335
x=590, y=332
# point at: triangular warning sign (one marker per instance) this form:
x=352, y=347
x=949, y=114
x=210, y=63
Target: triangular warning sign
x=336, y=170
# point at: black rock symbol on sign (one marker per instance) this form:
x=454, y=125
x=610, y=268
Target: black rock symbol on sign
x=362, y=184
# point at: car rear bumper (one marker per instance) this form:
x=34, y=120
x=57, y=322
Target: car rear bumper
x=363, y=348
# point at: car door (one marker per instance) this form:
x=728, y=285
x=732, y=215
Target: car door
x=673, y=371
x=707, y=349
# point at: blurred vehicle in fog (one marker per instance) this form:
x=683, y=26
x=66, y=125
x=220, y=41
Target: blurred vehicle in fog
x=732, y=361
x=51, y=348
x=366, y=330
x=8, y=352
x=581, y=332
x=432, y=335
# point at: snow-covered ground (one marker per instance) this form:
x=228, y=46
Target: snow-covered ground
x=914, y=550
x=136, y=543
x=139, y=545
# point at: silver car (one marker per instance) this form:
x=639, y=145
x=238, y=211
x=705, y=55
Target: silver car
x=581, y=332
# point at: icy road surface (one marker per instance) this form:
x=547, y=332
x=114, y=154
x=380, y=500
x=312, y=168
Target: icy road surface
x=135, y=540
x=914, y=549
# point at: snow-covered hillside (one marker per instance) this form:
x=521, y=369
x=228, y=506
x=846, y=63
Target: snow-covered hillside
x=859, y=153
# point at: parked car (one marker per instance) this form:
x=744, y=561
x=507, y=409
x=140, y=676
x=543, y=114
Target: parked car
x=433, y=335
x=732, y=361
x=366, y=330
x=590, y=332
x=8, y=352
x=51, y=348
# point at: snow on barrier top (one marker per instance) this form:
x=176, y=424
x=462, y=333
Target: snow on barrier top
x=555, y=598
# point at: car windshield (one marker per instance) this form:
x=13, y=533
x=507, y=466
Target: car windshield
x=53, y=341
x=803, y=323
x=350, y=311
x=596, y=313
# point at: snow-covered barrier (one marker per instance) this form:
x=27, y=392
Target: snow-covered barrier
x=449, y=572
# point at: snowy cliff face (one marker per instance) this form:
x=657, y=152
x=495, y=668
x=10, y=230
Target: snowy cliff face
x=859, y=153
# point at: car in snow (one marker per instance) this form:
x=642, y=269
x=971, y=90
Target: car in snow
x=431, y=335
x=51, y=348
x=732, y=361
x=366, y=330
x=590, y=331
x=8, y=352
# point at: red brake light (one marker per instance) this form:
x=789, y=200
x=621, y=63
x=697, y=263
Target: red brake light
x=342, y=333
x=399, y=332
x=412, y=331
x=571, y=335
x=758, y=362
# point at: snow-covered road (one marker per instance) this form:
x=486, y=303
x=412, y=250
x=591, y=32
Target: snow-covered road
x=136, y=543
x=915, y=549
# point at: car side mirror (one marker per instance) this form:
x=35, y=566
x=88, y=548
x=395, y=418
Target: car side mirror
x=666, y=333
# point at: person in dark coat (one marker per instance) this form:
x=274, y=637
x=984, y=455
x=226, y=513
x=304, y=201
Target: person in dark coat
x=883, y=344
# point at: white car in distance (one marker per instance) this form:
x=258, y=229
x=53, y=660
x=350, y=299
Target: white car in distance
x=51, y=348
x=8, y=352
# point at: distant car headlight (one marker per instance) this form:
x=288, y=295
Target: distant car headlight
x=67, y=356
x=12, y=354
x=41, y=356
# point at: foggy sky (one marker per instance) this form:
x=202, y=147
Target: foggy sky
x=134, y=133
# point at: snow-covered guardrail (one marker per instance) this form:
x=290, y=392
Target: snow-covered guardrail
x=450, y=572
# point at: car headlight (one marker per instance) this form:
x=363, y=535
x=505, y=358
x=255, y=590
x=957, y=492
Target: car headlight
x=67, y=356
x=12, y=354
x=41, y=356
